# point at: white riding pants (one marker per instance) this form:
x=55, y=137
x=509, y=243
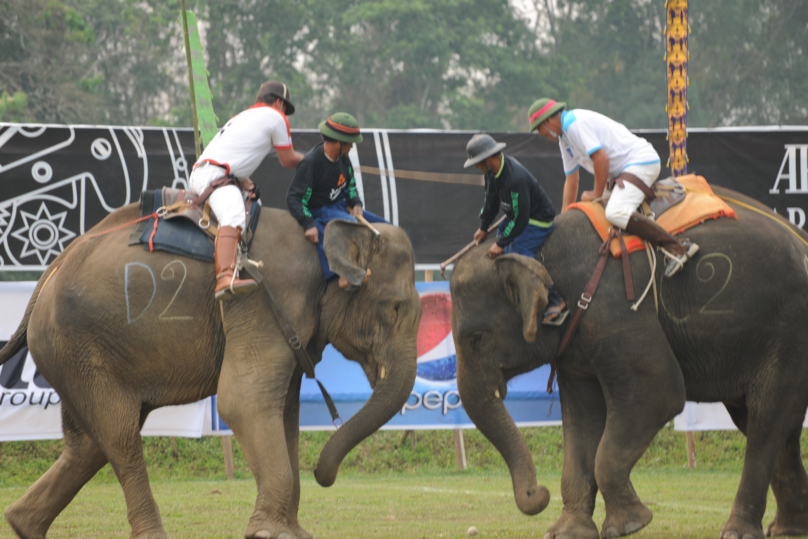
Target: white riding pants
x=227, y=203
x=625, y=201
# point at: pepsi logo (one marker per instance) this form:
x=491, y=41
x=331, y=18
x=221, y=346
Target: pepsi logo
x=437, y=360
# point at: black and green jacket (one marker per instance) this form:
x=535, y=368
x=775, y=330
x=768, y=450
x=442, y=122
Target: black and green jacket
x=520, y=196
x=320, y=182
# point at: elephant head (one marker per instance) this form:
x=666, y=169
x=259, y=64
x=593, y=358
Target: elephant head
x=496, y=316
x=374, y=323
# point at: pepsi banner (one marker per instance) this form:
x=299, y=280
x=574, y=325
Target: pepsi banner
x=30, y=408
x=56, y=182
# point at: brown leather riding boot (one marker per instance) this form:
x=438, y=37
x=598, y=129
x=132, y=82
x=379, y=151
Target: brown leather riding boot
x=226, y=252
x=645, y=228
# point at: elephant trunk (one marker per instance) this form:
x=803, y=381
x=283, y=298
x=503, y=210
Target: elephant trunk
x=388, y=397
x=488, y=413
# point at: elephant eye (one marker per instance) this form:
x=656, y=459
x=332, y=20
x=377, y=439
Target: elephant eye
x=396, y=306
x=474, y=340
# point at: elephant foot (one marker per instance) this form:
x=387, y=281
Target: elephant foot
x=625, y=520
x=738, y=528
x=266, y=530
x=573, y=526
x=158, y=534
x=793, y=525
x=24, y=524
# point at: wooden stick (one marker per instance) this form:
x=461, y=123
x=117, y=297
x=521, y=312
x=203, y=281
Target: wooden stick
x=467, y=248
x=463, y=179
x=365, y=222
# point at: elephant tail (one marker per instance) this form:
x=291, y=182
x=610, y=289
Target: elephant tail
x=20, y=337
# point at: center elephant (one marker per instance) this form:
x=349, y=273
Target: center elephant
x=730, y=329
x=119, y=332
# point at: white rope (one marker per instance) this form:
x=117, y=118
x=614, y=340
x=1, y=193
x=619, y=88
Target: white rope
x=673, y=257
x=652, y=263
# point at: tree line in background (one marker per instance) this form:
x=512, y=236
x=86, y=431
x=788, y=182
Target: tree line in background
x=458, y=64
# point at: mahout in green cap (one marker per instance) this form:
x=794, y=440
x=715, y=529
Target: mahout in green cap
x=341, y=126
x=541, y=110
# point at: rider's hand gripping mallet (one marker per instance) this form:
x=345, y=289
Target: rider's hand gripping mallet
x=466, y=249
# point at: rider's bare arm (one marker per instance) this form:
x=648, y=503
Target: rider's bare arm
x=570, y=190
x=288, y=157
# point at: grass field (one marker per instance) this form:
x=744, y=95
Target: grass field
x=388, y=491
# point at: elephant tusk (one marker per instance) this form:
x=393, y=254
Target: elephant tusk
x=382, y=373
x=496, y=393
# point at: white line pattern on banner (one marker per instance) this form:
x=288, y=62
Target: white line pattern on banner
x=391, y=175
x=136, y=137
x=34, y=157
x=184, y=162
x=382, y=175
x=125, y=170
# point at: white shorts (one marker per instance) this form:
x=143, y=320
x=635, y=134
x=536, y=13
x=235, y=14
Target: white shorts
x=625, y=201
x=227, y=203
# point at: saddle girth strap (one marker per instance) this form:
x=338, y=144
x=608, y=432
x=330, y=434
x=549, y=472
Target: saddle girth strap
x=293, y=340
x=583, y=305
x=636, y=182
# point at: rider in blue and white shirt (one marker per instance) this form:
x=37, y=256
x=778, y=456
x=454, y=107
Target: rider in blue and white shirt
x=608, y=150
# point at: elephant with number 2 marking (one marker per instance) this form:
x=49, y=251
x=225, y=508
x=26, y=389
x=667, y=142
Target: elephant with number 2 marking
x=730, y=329
x=119, y=332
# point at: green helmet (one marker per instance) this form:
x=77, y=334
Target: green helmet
x=341, y=126
x=541, y=110
x=481, y=147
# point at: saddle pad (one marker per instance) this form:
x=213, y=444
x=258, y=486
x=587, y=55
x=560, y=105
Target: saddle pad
x=178, y=236
x=699, y=205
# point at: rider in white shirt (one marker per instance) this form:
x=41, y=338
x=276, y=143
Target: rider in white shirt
x=237, y=150
x=608, y=150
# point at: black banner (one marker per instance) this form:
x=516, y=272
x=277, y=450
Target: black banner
x=56, y=182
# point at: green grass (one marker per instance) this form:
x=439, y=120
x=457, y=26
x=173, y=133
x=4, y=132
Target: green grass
x=384, y=490
x=686, y=504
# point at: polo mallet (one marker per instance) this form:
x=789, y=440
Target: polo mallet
x=365, y=222
x=466, y=249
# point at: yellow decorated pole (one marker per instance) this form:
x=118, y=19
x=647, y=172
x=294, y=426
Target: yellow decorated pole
x=677, y=31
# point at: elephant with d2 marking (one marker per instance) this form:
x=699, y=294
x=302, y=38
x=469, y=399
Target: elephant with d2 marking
x=119, y=332
x=731, y=329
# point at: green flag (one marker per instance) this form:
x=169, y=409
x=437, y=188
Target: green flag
x=204, y=106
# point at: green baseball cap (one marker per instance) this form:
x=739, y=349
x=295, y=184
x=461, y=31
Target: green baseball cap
x=541, y=110
x=341, y=126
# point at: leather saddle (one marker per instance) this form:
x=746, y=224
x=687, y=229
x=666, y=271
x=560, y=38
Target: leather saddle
x=660, y=197
x=179, y=203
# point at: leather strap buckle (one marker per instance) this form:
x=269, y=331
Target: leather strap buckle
x=294, y=342
x=586, y=302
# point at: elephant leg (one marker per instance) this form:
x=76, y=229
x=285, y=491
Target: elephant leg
x=772, y=431
x=291, y=423
x=252, y=396
x=584, y=418
x=790, y=486
x=642, y=393
x=32, y=515
x=114, y=424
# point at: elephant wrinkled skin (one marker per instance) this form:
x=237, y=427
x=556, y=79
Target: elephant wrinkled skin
x=730, y=329
x=119, y=331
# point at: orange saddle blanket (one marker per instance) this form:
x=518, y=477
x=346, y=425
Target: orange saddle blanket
x=699, y=205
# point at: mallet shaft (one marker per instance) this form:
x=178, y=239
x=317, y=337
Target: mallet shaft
x=365, y=222
x=467, y=248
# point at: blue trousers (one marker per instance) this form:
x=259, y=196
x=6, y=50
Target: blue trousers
x=338, y=210
x=526, y=244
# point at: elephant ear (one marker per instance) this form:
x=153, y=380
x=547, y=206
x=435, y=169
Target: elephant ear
x=526, y=281
x=347, y=245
